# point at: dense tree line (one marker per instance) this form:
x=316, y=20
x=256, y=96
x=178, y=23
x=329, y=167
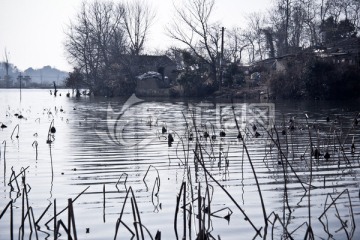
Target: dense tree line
x=318, y=24
x=291, y=25
x=104, y=32
x=313, y=78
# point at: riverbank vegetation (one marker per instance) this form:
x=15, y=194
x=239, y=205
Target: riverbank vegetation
x=316, y=79
x=103, y=38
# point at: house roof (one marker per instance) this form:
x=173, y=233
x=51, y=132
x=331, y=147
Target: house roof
x=349, y=45
x=148, y=60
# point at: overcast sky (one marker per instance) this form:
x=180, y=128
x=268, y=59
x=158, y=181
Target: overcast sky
x=32, y=31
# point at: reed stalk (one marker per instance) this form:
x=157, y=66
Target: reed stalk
x=227, y=217
x=136, y=215
x=309, y=233
x=4, y=142
x=56, y=214
x=158, y=235
x=12, y=178
x=104, y=203
x=153, y=193
x=10, y=206
x=187, y=131
x=51, y=131
x=126, y=176
x=182, y=188
x=16, y=176
x=284, y=170
x=121, y=214
x=57, y=229
x=11, y=221
x=184, y=214
x=334, y=203
x=17, y=134
x=30, y=215
x=285, y=157
x=229, y=195
x=158, y=176
x=199, y=211
x=137, y=218
x=343, y=226
x=277, y=218
x=342, y=150
x=35, y=144
x=207, y=193
x=42, y=215
x=22, y=214
x=310, y=179
x=254, y=172
x=71, y=220
x=29, y=208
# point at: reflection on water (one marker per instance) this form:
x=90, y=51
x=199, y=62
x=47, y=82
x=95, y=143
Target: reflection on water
x=114, y=144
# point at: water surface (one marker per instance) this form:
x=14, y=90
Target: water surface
x=99, y=143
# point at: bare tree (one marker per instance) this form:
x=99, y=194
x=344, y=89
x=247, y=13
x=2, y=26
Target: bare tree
x=250, y=39
x=235, y=45
x=296, y=24
x=269, y=41
x=312, y=19
x=138, y=18
x=90, y=38
x=345, y=9
x=6, y=62
x=279, y=21
x=339, y=12
x=192, y=27
x=334, y=8
x=7, y=66
x=255, y=25
x=355, y=13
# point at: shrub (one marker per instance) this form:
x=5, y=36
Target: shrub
x=317, y=79
x=325, y=80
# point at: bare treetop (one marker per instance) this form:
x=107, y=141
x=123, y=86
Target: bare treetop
x=138, y=19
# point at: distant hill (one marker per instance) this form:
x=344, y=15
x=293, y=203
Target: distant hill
x=46, y=75
x=43, y=76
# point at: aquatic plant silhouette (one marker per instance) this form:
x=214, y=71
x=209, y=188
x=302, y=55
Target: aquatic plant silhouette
x=51, y=132
x=2, y=126
x=9, y=206
x=202, y=166
x=17, y=127
x=4, y=159
x=35, y=144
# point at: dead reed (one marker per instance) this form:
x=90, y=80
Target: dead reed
x=17, y=132
x=196, y=147
x=4, y=158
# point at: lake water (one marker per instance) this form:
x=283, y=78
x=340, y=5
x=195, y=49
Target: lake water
x=103, y=147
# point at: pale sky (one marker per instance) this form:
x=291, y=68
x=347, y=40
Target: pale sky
x=32, y=31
